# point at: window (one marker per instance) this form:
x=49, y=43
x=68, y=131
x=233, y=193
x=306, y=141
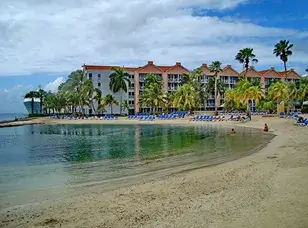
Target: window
x=90, y=75
x=99, y=75
x=99, y=84
x=90, y=111
x=132, y=85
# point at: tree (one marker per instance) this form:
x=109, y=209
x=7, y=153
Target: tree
x=215, y=67
x=283, y=50
x=154, y=97
x=152, y=79
x=278, y=91
x=119, y=81
x=32, y=95
x=302, y=92
x=109, y=100
x=245, y=56
x=194, y=79
x=247, y=92
x=185, y=98
x=124, y=105
x=77, y=83
x=41, y=93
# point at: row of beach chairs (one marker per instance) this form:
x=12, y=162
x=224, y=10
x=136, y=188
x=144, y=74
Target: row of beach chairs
x=300, y=120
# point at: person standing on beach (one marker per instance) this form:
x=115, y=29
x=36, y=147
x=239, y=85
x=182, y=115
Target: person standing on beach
x=249, y=115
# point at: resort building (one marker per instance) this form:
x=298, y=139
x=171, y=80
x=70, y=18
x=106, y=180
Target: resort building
x=171, y=77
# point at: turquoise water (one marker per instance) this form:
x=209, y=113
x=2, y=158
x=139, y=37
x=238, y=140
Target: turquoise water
x=37, y=158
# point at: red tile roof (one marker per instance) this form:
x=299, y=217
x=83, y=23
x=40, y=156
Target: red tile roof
x=262, y=72
x=91, y=67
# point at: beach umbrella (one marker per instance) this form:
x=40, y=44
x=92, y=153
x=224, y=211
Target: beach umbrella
x=222, y=106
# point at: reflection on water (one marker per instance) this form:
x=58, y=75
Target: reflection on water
x=37, y=157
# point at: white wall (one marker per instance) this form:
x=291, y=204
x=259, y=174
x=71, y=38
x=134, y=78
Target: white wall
x=104, y=87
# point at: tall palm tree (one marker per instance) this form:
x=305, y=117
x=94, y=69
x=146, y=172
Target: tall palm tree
x=185, y=98
x=32, y=95
x=119, y=81
x=41, y=93
x=215, y=67
x=109, y=100
x=245, y=56
x=283, y=50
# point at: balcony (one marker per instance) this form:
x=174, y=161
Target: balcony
x=131, y=96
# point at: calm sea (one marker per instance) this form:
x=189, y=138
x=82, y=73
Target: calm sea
x=11, y=116
x=40, y=162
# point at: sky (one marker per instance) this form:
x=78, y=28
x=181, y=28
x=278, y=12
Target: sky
x=41, y=42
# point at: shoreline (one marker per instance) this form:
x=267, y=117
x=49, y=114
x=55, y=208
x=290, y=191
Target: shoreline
x=265, y=189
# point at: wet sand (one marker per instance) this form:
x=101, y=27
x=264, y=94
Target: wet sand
x=265, y=189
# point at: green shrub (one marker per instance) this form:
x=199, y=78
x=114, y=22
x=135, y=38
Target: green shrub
x=305, y=109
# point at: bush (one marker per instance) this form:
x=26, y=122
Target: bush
x=38, y=115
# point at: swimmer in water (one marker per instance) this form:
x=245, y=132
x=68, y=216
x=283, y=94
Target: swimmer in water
x=233, y=131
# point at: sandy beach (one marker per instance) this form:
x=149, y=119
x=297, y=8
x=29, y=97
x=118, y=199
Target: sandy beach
x=266, y=189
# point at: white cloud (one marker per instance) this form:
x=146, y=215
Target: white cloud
x=59, y=36
x=53, y=86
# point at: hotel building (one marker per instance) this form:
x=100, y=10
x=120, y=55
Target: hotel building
x=171, y=77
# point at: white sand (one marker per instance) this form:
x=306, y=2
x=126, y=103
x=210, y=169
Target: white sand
x=266, y=189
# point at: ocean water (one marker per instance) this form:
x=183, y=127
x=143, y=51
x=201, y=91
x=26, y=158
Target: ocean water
x=11, y=116
x=40, y=162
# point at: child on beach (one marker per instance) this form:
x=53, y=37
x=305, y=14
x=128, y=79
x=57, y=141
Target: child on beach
x=265, y=128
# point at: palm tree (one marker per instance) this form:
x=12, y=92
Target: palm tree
x=278, y=91
x=97, y=96
x=185, y=98
x=41, y=93
x=154, y=97
x=32, y=95
x=302, y=93
x=283, y=50
x=119, y=81
x=152, y=79
x=124, y=105
x=215, y=67
x=245, y=56
x=78, y=83
x=247, y=92
x=109, y=100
